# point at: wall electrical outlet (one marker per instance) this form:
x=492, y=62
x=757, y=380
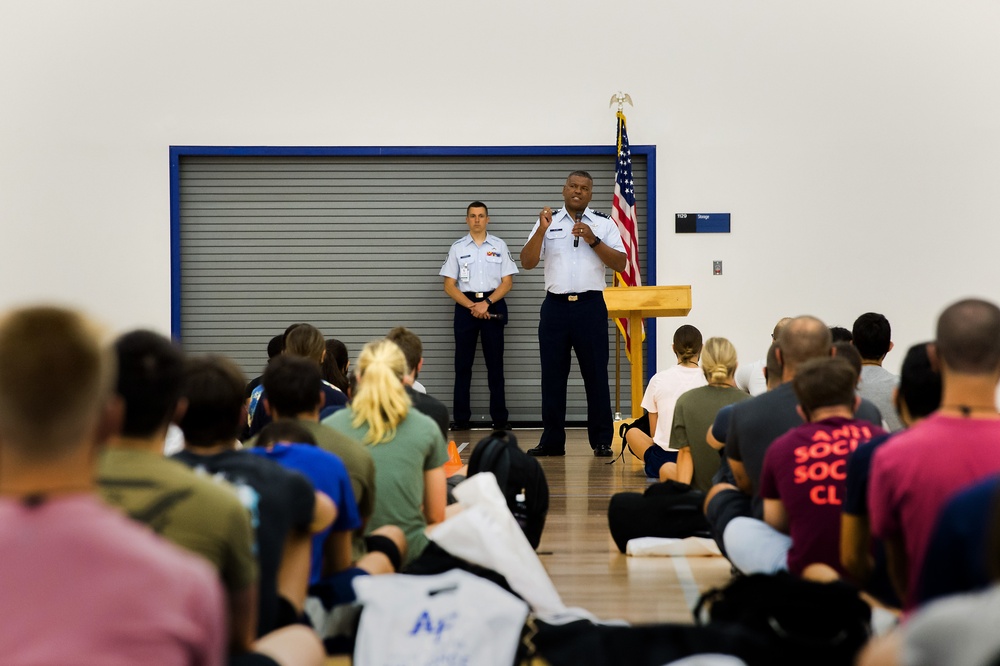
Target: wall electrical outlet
x=716, y=268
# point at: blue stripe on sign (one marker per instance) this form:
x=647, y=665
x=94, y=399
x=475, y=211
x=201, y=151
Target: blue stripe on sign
x=712, y=223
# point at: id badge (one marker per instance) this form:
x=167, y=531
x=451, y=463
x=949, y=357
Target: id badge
x=463, y=273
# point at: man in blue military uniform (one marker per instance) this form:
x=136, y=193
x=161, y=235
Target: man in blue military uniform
x=578, y=245
x=478, y=273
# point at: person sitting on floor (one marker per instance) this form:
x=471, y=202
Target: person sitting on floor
x=802, y=481
x=286, y=509
x=917, y=397
x=653, y=447
x=304, y=341
x=697, y=461
x=292, y=398
x=407, y=446
x=83, y=584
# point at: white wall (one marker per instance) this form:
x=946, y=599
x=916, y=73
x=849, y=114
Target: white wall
x=855, y=143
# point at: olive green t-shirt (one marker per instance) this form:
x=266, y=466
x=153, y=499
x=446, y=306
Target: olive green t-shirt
x=399, y=472
x=693, y=416
x=194, y=512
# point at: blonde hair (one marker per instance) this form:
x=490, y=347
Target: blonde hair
x=718, y=360
x=380, y=400
x=56, y=372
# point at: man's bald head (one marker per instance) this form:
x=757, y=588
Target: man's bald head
x=801, y=339
x=780, y=325
x=968, y=337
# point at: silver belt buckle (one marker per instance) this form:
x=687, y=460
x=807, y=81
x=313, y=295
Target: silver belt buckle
x=479, y=294
x=572, y=298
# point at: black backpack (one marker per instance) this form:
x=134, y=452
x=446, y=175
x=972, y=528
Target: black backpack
x=804, y=622
x=668, y=509
x=520, y=478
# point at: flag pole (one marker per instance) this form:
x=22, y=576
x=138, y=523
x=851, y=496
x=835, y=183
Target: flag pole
x=618, y=364
x=621, y=99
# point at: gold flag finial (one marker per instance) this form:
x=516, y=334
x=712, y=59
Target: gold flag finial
x=621, y=98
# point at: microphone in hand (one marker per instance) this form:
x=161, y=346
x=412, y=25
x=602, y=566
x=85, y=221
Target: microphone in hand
x=497, y=316
x=576, y=240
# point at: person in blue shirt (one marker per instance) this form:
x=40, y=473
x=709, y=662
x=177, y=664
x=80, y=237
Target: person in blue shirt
x=293, y=447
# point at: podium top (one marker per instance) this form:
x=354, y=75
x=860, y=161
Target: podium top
x=655, y=301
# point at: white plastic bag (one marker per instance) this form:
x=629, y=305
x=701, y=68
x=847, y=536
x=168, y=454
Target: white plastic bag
x=485, y=533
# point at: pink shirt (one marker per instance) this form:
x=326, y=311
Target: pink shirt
x=918, y=470
x=81, y=584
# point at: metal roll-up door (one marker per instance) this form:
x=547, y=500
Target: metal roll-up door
x=353, y=245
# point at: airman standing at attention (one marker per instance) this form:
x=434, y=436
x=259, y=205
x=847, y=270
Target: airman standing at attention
x=478, y=273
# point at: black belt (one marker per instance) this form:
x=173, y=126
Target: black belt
x=476, y=295
x=582, y=296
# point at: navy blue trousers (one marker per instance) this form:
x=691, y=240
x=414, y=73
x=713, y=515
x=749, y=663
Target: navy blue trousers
x=580, y=326
x=467, y=330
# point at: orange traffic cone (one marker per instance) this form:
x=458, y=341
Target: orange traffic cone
x=454, y=463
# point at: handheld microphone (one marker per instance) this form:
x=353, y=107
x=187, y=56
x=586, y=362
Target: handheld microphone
x=498, y=316
x=576, y=240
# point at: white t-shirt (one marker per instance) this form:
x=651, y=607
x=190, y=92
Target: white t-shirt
x=449, y=618
x=662, y=393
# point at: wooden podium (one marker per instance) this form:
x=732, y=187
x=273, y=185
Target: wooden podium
x=636, y=304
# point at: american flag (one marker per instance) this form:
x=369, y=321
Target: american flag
x=623, y=214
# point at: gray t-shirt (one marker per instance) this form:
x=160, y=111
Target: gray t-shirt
x=876, y=385
x=958, y=631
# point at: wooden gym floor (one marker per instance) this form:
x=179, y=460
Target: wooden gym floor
x=578, y=553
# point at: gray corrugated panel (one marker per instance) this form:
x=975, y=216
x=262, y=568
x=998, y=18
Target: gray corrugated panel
x=354, y=244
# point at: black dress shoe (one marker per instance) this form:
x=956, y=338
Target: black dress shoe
x=502, y=426
x=603, y=451
x=460, y=425
x=541, y=452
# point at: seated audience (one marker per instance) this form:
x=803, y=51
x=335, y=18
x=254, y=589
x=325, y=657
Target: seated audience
x=755, y=423
x=916, y=397
x=82, y=584
x=293, y=399
x=956, y=559
x=336, y=364
x=802, y=481
x=193, y=512
x=291, y=446
x=918, y=470
x=664, y=388
x=407, y=446
x=957, y=630
x=413, y=350
x=274, y=348
x=697, y=461
x=849, y=353
x=285, y=508
x=873, y=340
x=305, y=341
x=840, y=334
x=749, y=377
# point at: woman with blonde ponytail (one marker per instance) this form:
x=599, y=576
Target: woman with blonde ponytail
x=407, y=447
x=696, y=410
x=659, y=400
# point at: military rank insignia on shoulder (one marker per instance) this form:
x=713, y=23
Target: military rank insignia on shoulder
x=600, y=214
